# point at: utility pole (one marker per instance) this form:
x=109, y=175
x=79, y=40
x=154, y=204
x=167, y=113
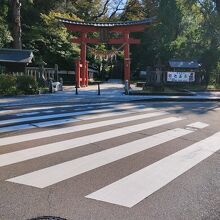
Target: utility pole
x=16, y=23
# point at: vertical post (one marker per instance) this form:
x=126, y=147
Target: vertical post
x=56, y=72
x=83, y=57
x=76, y=88
x=126, y=57
x=77, y=71
x=126, y=87
x=87, y=72
x=99, y=92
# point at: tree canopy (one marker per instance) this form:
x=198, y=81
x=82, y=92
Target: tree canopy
x=187, y=29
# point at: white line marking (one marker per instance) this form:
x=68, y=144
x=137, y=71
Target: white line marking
x=27, y=114
x=54, y=132
x=198, y=125
x=48, y=111
x=53, y=107
x=30, y=153
x=134, y=188
x=62, y=121
x=99, y=124
x=10, y=121
x=54, y=174
x=56, y=122
x=16, y=128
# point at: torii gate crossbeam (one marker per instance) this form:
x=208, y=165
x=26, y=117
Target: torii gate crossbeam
x=104, y=28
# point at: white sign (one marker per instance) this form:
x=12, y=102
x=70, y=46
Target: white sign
x=180, y=76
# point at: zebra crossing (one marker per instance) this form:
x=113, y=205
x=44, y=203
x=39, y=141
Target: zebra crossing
x=56, y=117
x=119, y=122
x=132, y=189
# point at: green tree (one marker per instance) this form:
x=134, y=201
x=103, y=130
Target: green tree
x=51, y=42
x=15, y=19
x=134, y=10
x=5, y=36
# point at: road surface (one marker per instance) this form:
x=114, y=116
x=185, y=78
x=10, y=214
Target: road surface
x=110, y=161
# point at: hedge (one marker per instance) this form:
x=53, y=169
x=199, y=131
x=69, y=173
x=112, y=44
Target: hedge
x=7, y=85
x=13, y=85
x=26, y=85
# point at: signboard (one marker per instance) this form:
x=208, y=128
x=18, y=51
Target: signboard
x=180, y=76
x=104, y=35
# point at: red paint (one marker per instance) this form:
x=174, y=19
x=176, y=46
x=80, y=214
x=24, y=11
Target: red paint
x=126, y=57
x=82, y=64
x=111, y=41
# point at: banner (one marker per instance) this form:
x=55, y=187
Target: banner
x=180, y=76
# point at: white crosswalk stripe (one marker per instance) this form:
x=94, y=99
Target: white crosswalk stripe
x=53, y=107
x=67, y=120
x=132, y=120
x=43, y=150
x=16, y=128
x=134, y=188
x=18, y=120
x=198, y=125
x=44, y=134
x=27, y=114
x=99, y=124
x=57, y=173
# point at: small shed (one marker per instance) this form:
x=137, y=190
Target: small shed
x=182, y=70
x=184, y=64
x=14, y=60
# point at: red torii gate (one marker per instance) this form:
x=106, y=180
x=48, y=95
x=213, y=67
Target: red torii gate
x=104, y=28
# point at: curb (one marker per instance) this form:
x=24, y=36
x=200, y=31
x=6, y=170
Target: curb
x=178, y=100
x=115, y=100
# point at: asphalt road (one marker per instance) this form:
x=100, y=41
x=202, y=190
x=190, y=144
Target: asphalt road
x=106, y=161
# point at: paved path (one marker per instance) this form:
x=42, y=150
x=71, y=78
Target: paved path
x=100, y=161
x=110, y=92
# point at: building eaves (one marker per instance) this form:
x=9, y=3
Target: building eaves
x=15, y=56
x=108, y=24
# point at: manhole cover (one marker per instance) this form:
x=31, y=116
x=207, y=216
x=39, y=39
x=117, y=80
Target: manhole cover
x=48, y=218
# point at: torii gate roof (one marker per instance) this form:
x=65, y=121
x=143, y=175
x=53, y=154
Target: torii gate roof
x=127, y=26
x=146, y=21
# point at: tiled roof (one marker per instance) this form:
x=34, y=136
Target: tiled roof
x=189, y=64
x=15, y=56
x=107, y=24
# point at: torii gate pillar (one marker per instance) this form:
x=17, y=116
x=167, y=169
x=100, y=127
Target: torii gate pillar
x=127, y=61
x=83, y=61
x=104, y=28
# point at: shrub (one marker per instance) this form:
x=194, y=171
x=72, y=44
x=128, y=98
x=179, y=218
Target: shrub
x=26, y=85
x=42, y=83
x=7, y=84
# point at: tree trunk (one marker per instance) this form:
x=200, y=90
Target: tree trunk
x=16, y=23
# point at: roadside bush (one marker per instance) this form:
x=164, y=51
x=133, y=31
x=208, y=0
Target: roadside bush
x=26, y=85
x=42, y=83
x=7, y=84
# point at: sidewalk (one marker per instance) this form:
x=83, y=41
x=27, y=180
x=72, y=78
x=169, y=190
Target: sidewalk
x=110, y=92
